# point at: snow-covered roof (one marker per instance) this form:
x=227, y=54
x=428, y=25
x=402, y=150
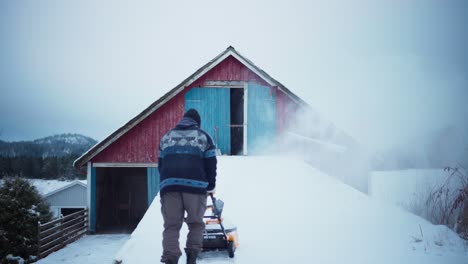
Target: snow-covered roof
x=230, y=51
x=46, y=187
x=69, y=185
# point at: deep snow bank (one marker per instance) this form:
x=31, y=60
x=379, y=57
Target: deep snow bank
x=287, y=211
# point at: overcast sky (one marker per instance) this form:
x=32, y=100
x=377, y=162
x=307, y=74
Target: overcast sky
x=386, y=72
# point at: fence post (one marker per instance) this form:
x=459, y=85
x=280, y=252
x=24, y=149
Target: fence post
x=62, y=237
x=38, y=240
x=87, y=221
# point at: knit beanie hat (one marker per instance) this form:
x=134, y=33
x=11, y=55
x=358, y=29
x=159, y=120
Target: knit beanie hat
x=193, y=114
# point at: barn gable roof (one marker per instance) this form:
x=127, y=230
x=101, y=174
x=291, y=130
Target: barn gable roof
x=230, y=51
x=76, y=182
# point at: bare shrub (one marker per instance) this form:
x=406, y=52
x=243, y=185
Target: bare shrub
x=446, y=204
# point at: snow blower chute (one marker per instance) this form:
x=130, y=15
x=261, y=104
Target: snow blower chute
x=216, y=235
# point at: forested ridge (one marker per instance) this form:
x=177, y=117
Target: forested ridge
x=46, y=158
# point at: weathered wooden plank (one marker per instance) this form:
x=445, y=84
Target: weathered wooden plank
x=50, y=231
x=47, y=252
x=121, y=164
x=52, y=243
x=73, y=234
x=49, y=224
x=74, y=221
x=53, y=225
x=54, y=222
x=71, y=228
x=49, y=238
x=226, y=84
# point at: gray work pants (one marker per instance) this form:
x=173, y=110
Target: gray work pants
x=173, y=207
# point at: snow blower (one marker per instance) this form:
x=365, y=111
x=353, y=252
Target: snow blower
x=216, y=236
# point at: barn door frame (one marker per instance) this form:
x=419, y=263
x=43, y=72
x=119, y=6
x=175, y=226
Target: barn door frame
x=235, y=85
x=246, y=114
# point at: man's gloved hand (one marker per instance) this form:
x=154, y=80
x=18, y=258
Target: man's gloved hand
x=213, y=191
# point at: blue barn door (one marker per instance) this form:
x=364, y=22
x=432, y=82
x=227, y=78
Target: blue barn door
x=213, y=104
x=261, y=118
x=153, y=184
x=92, y=210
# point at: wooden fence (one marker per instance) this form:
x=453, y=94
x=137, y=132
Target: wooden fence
x=58, y=233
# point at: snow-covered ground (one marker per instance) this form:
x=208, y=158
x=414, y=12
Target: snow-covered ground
x=95, y=249
x=289, y=212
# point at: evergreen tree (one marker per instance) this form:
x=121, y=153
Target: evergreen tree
x=22, y=209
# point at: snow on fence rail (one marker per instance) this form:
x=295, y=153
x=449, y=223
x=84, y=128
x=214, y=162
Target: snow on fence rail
x=58, y=233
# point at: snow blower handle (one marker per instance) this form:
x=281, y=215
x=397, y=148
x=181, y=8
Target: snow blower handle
x=218, y=216
x=213, y=201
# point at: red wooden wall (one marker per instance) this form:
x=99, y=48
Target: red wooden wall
x=140, y=144
x=230, y=69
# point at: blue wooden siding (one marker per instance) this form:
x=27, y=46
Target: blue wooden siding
x=153, y=184
x=261, y=118
x=92, y=214
x=213, y=104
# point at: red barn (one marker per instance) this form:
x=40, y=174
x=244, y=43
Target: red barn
x=240, y=105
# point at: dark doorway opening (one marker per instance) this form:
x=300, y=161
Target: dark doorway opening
x=69, y=211
x=121, y=199
x=237, y=121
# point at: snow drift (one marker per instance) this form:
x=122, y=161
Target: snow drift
x=288, y=212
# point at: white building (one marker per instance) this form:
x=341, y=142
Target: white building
x=67, y=199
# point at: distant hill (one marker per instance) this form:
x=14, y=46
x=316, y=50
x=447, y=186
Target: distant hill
x=52, y=146
x=45, y=158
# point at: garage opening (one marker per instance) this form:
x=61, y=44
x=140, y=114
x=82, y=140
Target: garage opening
x=237, y=121
x=69, y=211
x=121, y=199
